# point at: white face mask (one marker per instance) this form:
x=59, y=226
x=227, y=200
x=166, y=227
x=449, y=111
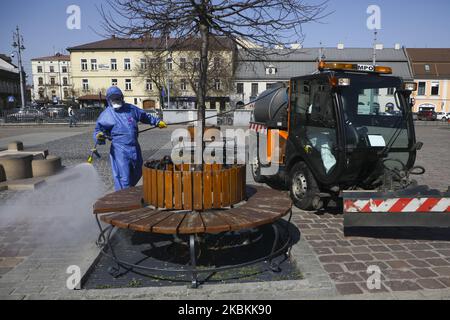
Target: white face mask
x=117, y=106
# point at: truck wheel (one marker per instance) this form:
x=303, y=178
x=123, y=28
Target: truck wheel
x=303, y=186
x=256, y=170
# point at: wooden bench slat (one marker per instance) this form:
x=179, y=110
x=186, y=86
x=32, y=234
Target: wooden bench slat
x=207, y=190
x=225, y=188
x=187, y=190
x=169, y=225
x=124, y=200
x=168, y=189
x=145, y=224
x=192, y=224
x=154, y=180
x=217, y=190
x=160, y=187
x=178, y=189
x=214, y=223
x=198, y=190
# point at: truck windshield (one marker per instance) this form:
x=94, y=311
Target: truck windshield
x=374, y=114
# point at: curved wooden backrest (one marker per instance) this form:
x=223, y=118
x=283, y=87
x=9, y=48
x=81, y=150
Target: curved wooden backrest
x=180, y=188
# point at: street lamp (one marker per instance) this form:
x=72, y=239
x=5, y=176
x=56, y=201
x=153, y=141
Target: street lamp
x=18, y=44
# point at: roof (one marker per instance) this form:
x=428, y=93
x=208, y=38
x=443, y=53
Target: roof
x=304, y=61
x=430, y=63
x=7, y=65
x=56, y=57
x=115, y=43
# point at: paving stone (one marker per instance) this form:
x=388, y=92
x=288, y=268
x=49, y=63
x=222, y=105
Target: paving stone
x=424, y=273
x=403, y=285
x=403, y=255
x=333, y=268
x=383, y=256
x=444, y=253
x=445, y=282
x=398, y=264
x=394, y=274
x=418, y=263
x=430, y=284
x=442, y=271
x=363, y=257
x=346, y=277
x=438, y=262
x=336, y=258
x=425, y=254
x=355, y=266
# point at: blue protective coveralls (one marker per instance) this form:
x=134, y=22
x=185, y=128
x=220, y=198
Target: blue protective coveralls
x=122, y=126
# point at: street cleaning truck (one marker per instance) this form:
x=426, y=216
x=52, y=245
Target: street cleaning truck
x=346, y=133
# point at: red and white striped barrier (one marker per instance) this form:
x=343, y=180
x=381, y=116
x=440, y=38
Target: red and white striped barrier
x=259, y=128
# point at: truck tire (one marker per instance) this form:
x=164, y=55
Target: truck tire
x=256, y=170
x=303, y=186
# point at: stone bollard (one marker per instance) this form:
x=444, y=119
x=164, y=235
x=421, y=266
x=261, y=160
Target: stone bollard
x=17, y=167
x=46, y=167
x=15, y=146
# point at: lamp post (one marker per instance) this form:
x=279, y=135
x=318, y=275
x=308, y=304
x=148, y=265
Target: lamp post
x=18, y=44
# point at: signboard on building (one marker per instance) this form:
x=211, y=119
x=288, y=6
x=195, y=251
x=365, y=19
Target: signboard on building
x=104, y=67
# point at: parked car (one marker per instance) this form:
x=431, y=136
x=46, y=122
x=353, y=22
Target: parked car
x=443, y=116
x=56, y=111
x=415, y=116
x=26, y=115
x=427, y=115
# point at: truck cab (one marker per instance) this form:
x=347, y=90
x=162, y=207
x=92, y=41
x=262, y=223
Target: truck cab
x=340, y=129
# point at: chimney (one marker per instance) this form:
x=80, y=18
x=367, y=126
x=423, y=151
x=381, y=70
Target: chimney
x=398, y=46
x=341, y=46
x=379, y=46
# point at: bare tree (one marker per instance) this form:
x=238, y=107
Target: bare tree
x=265, y=23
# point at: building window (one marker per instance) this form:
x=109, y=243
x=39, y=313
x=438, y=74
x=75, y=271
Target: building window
x=217, y=84
x=376, y=91
x=52, y=81
x=113, y=64
x=254, y=90
x=183, y=85
x=85, y=84
x=41, y=81
x=183, y=63
x=114, y=82
x=39, y=69
x=171, y=84
x=435, y=88
x=422, y=88
x=240, y=88
x=149, y=85
x=427, y=68
x=196, y=63
x=390, y=91
x=52, y=69
x=169, y=64
x=66, y=94
x=217, y=63
x=135, y=101
x=271, y=70
x=128, y=84
x=143, y=64
x=84, y=65
x=93, y=64
x=270, y=85
x=127, y=63
x=65, y=81
x=64, y=69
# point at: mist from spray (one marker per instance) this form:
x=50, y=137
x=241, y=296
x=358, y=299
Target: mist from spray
x=59, y=212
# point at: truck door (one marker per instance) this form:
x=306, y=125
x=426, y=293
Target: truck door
x=314, y=126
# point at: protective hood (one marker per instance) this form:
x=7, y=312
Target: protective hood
x=114, y=94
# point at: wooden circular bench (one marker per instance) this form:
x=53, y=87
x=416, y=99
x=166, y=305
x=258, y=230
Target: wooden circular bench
x=125, y=210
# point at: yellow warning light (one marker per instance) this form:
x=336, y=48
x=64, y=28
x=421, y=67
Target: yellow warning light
x=354, y=67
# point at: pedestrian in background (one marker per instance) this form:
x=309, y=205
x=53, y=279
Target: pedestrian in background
x=72, y=119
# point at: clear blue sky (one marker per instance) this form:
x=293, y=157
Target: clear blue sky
x=413, y=23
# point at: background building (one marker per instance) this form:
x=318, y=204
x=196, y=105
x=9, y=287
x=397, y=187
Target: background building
x=431, y=68
x=147, y=73
x=51, y=78
x=254, y=76
x=9, y=83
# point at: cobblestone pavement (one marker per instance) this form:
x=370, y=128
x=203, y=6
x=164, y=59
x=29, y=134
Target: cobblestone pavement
x=333, y=265
x=406, y=265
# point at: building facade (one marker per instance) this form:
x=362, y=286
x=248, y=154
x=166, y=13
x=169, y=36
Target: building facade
x=431, y=69
x=9, y=83
x=254, y=76
x=148, y=74
x=51, y=78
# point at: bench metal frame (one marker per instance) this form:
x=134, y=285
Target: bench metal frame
x=104, y=242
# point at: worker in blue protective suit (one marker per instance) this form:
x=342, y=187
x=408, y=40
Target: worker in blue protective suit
x=119, y=123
